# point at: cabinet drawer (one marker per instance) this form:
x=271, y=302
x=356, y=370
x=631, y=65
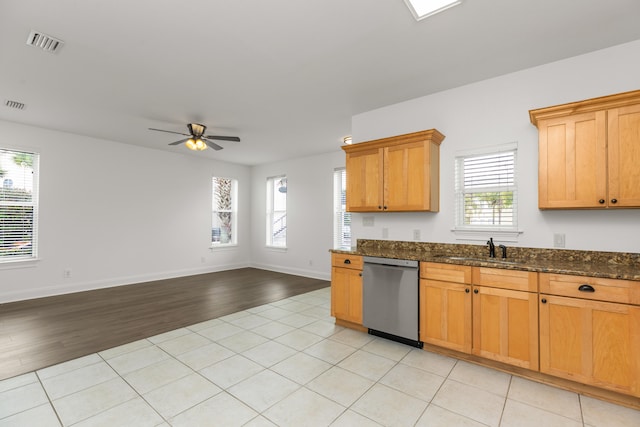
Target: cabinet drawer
x=506, y=279
x=593, y=288
x=347, y=261
x=445, y=272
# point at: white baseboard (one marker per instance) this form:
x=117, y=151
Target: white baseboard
x=295, y=271
x=47, y=291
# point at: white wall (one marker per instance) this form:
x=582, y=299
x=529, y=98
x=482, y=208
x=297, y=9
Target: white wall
x=494, y=112
x=117, y=214
x=309, y=215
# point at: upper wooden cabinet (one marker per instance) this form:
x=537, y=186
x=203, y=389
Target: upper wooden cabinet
x=589, y=153
x=400, y=173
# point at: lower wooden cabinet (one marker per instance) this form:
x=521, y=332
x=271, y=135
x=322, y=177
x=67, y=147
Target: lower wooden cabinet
x=505, y=326
x=346, y=288
x=445, y=306
x=445, y=314
x=488, y=312
x=590, y=341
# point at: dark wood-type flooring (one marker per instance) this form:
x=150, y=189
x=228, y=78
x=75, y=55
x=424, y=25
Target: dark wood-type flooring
x=41, y=332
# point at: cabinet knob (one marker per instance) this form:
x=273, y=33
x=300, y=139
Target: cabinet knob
x=601, y=201
x=466, y=290
x=379, y=207
x=614, y=201
x=384, y=207
x=586, y=288
x=360, y=274
x=544, y=300
x=475, y=291
x=347, y=261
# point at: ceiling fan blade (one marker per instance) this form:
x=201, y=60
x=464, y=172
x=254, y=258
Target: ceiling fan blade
x=180, y=142
x=169, y=131
x=212, y=144
x=223, y=138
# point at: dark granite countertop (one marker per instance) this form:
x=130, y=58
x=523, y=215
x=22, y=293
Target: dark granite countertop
x=612, y=265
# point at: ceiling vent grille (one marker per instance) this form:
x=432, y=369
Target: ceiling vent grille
x=15, y=105
x=44, y=42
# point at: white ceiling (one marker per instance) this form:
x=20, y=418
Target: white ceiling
x=284, y=75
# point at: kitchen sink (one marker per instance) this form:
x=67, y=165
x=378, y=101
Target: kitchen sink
x=475, y=259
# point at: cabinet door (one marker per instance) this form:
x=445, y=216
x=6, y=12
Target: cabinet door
x=505, y=326
x=411, y=177
x=592, y=342
x=364, y=180
x=572, y=162
x=624, y=156
x=445, y=314
x=346, y=294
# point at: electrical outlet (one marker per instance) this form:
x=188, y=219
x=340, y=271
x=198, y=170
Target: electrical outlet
x=66, y=273
x=385, y=233
x=202, y=259
x=416, y=235
x=310, y=262
x=368, y=221
x=558, y=240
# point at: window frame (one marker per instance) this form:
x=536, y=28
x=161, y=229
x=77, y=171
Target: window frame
x=233, y=211
x=480, y=232
x=271, y=212
x=34, y=203
x=340, y=215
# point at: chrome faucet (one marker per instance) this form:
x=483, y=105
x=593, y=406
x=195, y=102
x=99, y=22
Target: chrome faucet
x=492, y=248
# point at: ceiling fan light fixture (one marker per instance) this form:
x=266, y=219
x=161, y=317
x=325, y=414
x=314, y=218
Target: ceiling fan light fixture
x=196, y=129
x=200, y=145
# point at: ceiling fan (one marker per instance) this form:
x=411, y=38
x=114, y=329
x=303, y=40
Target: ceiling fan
x=197, y=140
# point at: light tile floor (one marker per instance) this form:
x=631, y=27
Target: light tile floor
x=287, y=364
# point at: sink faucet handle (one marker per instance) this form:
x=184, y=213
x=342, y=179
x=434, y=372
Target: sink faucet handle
x=504, y=251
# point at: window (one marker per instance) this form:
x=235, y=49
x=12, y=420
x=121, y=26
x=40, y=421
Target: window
x=277, y=211
x=18, y=205
x=486, y=196
x=341, y=218
x=224, y=218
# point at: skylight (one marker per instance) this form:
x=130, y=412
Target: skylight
x=424, y=8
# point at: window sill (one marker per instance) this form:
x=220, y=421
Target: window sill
x=19, y=263
x=223, y=247
x=484, y=234
x=276, y=248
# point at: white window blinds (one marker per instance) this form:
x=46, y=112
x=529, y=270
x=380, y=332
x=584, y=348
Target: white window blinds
x=486, y=191
x=341, y=218
x=18, y=205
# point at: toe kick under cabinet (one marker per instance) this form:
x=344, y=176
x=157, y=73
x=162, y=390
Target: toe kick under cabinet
x=590, y=331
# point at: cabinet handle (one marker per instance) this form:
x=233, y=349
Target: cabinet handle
x=614, y=201
x=475, y=291
x=601, y=201
x=347, y=261
x=466, y=290
x=586, y=288
x=544, y=300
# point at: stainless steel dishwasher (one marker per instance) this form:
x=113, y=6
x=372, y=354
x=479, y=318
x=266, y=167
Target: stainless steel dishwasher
x=390, y=299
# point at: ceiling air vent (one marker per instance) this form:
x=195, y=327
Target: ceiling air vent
x=15, y=105
x=44, y=42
